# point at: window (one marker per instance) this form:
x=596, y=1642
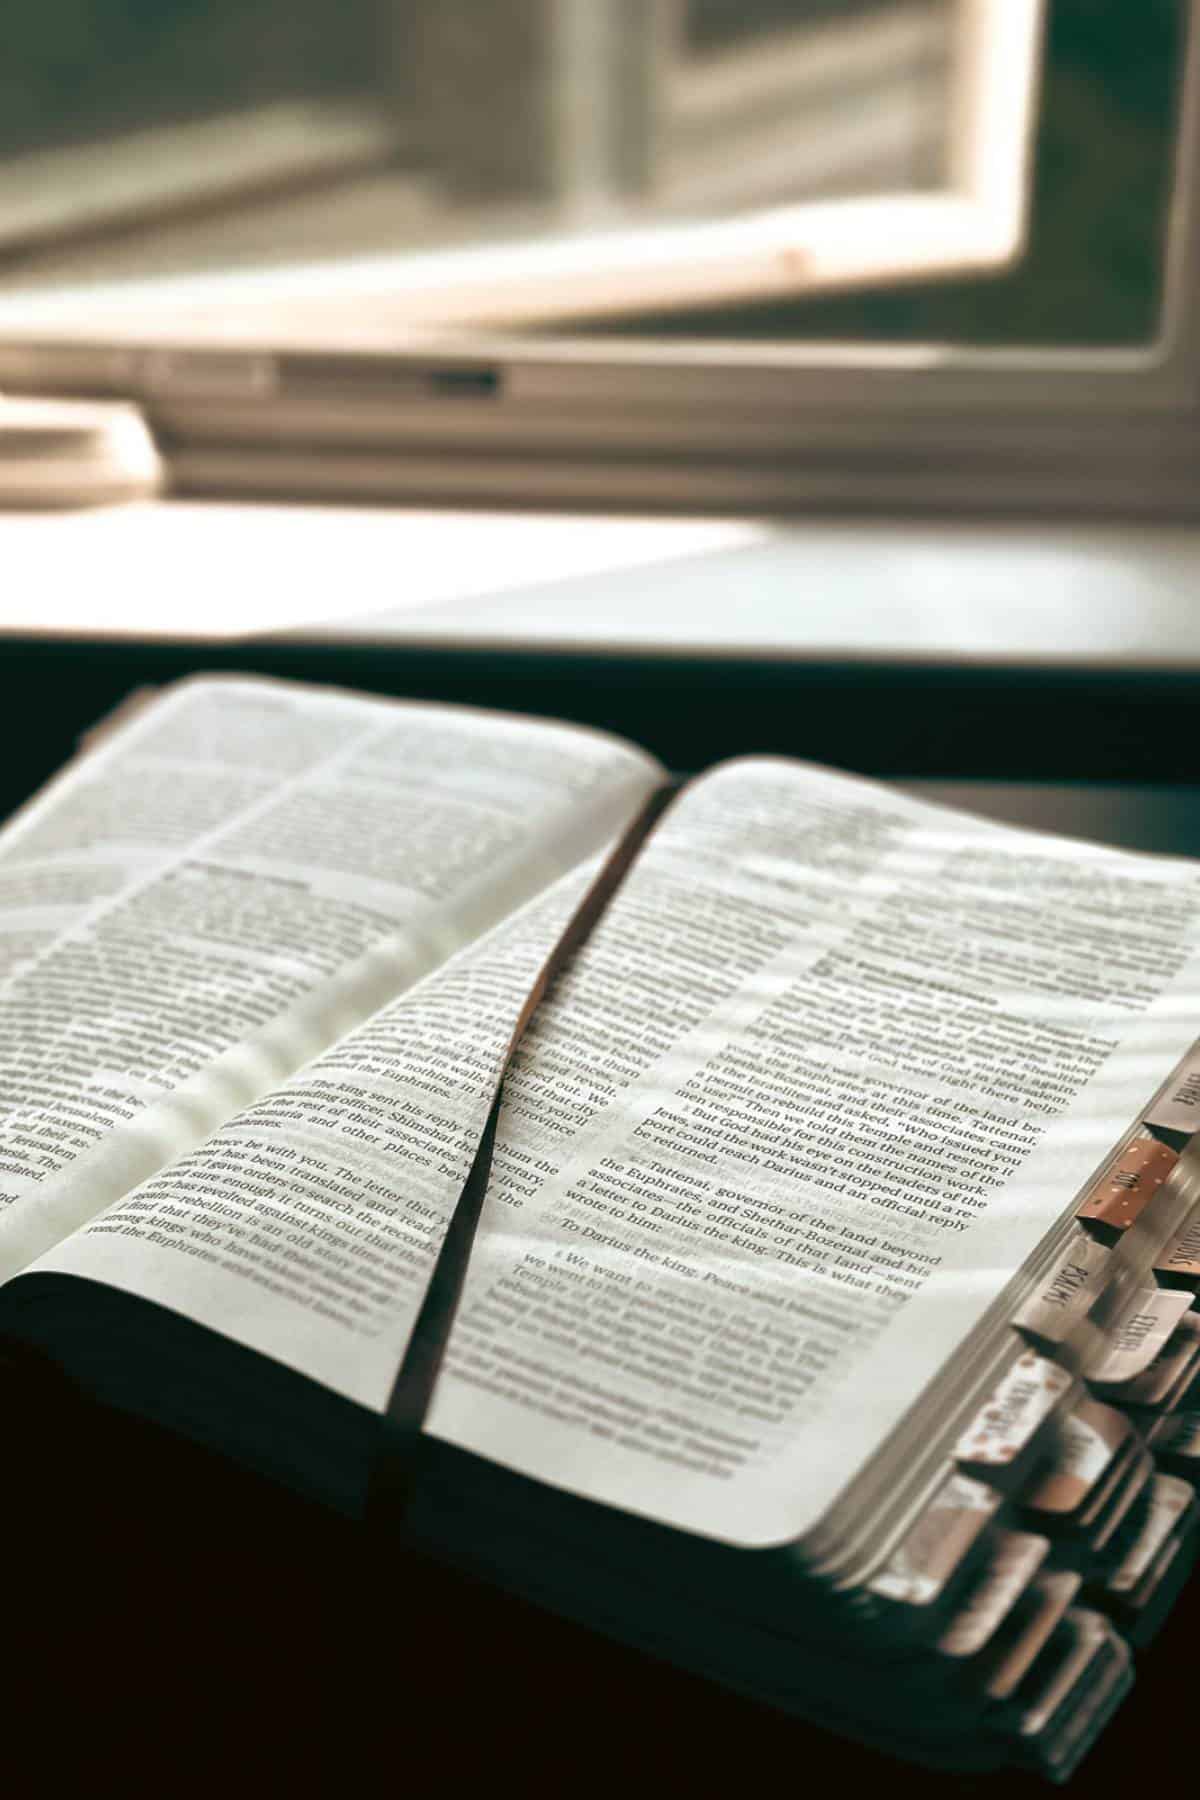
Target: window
x=768, y=254
x=536, y=162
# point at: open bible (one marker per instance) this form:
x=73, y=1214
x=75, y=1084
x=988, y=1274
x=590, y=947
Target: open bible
x=831, y=1306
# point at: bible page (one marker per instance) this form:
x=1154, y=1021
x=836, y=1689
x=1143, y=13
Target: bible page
x=233, y=879
x=829, y=1068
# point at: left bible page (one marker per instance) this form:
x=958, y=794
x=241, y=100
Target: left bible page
x=231, y=880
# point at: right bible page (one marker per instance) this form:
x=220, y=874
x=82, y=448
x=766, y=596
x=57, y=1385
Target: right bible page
x=831, y=1066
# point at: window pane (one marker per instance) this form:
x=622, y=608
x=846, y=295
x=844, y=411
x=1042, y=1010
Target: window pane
x=81, y=71
x=147, y=137
x=1092, y=271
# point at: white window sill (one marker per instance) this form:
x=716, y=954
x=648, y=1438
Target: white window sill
x=927, y=591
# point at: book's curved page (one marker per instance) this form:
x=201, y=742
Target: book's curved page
x=826, y=1073
x=232, y=880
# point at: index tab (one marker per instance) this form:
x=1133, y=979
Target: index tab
x=1086, y=1441
x=1171, y=1372
x=1014, y=1558
x=1022, y=1399
x=1126, y=1189
x=935, y=1546
x=1113, y=1483
x=1061, y=1749
x=1178, y=1436
x=1028, y=1628
x=1066, y=1293
x=1170, y=1501
x=1141, y=1334
x=1179, y=1108
x=1180, y=1261
x=1083, y=1634
x=1128, y=1492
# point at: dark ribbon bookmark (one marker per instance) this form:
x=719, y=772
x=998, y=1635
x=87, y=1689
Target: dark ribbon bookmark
x=396, y=1463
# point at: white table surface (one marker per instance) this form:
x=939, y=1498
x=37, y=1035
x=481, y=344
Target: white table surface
x=1098, y=594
